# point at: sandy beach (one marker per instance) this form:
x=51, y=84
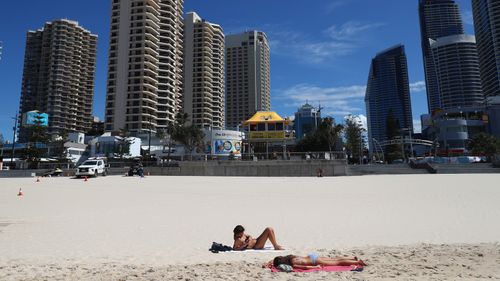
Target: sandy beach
x=416, y=227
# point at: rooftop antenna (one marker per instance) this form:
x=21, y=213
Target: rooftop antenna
x=319, y=107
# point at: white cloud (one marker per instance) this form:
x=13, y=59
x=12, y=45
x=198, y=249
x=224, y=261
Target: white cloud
x=297, y=45
x=417, y=126
x=334, y=100
x=331, y=7
x=348, y=30
x=340, y=41
x=320, y=52
x=417, y=87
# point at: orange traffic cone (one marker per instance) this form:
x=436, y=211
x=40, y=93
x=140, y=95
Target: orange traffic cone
x=38, y=179
x=86, y=178
x=20, y=193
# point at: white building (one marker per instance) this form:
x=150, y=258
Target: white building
x=112, y=146
x=203, y=97
x=218, y=144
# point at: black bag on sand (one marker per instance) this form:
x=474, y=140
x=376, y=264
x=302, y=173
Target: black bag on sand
x=217, y=247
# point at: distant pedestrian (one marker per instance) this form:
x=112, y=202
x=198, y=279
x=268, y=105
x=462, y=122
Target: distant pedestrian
x=319, y=172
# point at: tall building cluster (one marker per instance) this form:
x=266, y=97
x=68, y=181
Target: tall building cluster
x=461, y=72
x=161, y=62
x=462, y=75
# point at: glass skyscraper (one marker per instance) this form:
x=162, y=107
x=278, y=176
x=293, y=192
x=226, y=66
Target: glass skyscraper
x=387, y=92
x=307, y=120
x=438, y=18
x=457, y=71
x=487, y=27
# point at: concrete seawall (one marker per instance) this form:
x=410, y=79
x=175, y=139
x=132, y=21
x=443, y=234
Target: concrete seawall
x=306, y=168
x=253, y=169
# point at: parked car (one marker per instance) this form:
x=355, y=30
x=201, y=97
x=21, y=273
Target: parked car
x=92, y=167
x=398, y=161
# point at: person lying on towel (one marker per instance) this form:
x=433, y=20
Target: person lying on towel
x=243, y=241
x=313, y=261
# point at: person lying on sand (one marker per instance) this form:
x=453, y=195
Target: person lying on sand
x=244, y=241
x=313, y=261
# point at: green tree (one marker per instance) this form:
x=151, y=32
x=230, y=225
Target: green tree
x=355, y=143
x=58, y=148
x=38, y=139
x=484, y=144
x=325, y=138
x=189, y=136
x=393, y=129
x=333, y=133
x=95, y=132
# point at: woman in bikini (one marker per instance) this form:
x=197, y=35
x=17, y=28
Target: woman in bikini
x=244, y=241
x=313, y=261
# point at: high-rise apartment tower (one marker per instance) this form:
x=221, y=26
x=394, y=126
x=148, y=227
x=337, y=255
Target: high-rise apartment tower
x=144, y=88
x=248, y=85
x=204, y=77
x=487, y=26
x=438, y=18
x=58, y=76
x=457, y=71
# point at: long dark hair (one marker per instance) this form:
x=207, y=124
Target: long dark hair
x=238, y=229
x=283, y=260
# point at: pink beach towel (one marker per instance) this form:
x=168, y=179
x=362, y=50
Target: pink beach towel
x=325, y=268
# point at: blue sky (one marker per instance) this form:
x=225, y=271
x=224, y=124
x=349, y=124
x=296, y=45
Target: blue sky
x=320, y=49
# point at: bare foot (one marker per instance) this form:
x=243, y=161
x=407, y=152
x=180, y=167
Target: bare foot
x=362, y=263
x=278, y=248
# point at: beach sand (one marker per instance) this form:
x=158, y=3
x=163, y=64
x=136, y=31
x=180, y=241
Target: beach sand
x=415, y=227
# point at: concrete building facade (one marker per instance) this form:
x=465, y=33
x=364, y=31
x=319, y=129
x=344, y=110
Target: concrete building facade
x=144, y=87
x=438, y=18
x=248, y=81
x=58, y=76
x=457, y=71
x=388, y=92
x=204, y=76
x=487, y=27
